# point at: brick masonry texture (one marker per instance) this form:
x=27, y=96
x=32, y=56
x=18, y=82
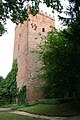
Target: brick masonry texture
x=27, y=36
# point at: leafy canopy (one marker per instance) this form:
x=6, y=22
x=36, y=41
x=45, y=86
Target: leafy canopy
x=8, y=86
x=61, y=67
x=17, y=10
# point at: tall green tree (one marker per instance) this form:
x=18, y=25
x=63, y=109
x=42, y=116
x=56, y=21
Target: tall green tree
x=2, y=90
x=61, y=66
x=16, y=10
x=8, y=86
x=10, y=83
x=1, y=84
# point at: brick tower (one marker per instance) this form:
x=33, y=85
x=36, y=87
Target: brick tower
x=27, y=36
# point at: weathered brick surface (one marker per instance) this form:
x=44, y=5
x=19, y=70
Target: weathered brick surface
x=27, y=36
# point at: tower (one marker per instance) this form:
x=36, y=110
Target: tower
x=27, y=36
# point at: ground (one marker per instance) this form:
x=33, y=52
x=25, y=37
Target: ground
x=39, y=116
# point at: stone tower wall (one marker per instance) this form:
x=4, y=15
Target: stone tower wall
x=27, y=36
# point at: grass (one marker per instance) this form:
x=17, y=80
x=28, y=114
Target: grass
x=66, y=109
x=10, y=116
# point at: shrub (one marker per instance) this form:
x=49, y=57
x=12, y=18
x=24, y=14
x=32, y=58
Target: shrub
x=22, y=96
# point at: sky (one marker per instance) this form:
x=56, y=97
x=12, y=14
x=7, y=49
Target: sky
x=7, y=45
x=6, y=49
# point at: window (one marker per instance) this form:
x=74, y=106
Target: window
x=19, y=35
x=43, y=30
x=35, y=28
x=36, y=38
x=29, y=19
x=32, y=25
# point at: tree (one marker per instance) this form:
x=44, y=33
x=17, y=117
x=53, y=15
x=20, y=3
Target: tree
x=1, y=84
x=17, y=10
x=22, y=98
x=8, y=86
x=61, y=66
x=1, y=80
x=10, y=83
x=12, y=9
x=2, y=91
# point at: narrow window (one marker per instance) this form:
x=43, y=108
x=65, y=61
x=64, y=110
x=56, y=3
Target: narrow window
x=43, y=30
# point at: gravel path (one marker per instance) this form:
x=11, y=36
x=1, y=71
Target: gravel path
x=5, y=109
x=39, y=116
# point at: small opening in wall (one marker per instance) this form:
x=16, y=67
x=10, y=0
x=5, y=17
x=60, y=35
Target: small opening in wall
x=36, y=38
x=43, y=29
x=35, y=28
x=32, y=25
x=29, y=19
x=19, y=35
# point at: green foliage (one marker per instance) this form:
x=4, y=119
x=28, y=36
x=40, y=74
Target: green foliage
x=1, y=82
x=11, y=85
x=12, y=9
x=57, y=101
x=61, y=66
x=22, y=96
x=8, y=89
x=72, y=12
x=17, y=12
x=2, y=90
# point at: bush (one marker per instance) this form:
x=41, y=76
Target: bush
x=8, y=86
x=22, y=96
x=59, y=71
x=57, y=101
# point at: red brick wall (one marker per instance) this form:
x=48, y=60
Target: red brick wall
x=27, y=36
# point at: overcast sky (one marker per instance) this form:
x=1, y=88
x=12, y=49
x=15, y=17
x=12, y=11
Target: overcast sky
x=7, y=45
x=6, y=49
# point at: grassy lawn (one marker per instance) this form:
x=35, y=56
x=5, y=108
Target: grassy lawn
x=10, y=116
x=66, y=109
